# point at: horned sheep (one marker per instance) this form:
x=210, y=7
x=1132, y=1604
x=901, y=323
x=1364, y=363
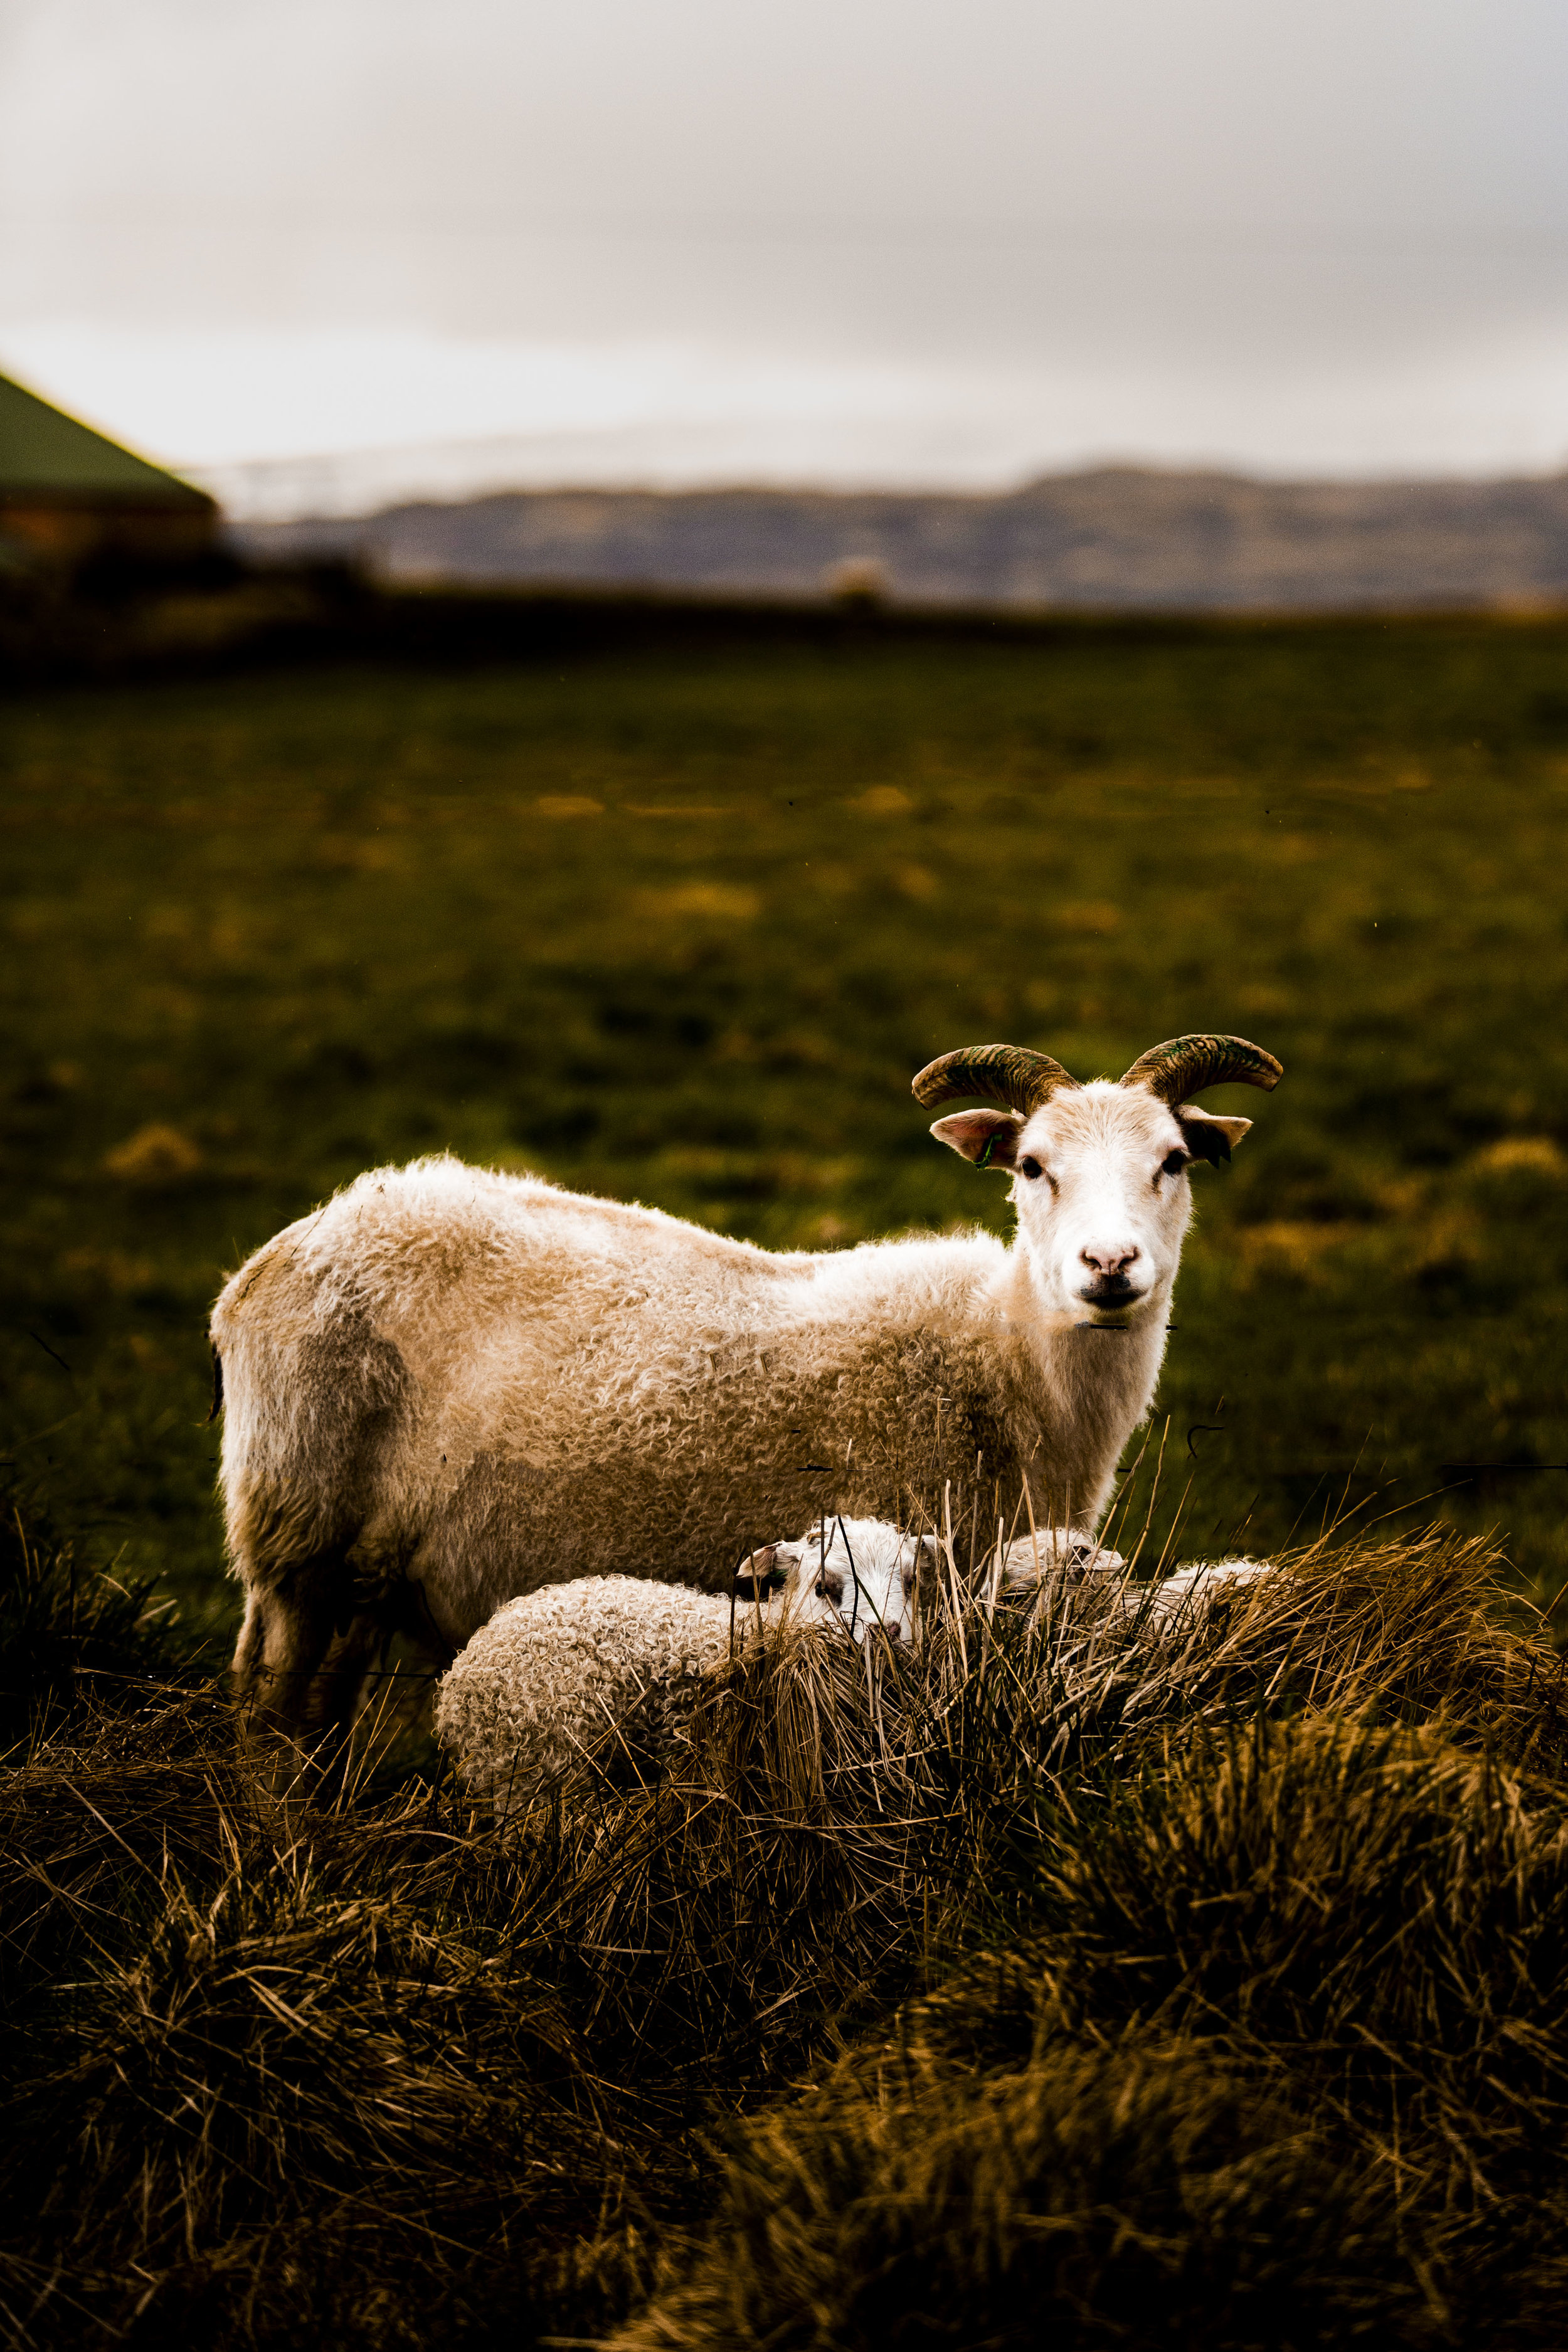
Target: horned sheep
x=451, y=1387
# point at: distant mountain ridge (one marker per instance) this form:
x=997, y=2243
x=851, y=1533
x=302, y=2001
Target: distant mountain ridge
x=1115, y=538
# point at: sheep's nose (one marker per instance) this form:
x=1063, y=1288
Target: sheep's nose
x=1107, y=1260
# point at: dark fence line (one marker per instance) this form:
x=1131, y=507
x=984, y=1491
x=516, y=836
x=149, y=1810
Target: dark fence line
x=221, y=617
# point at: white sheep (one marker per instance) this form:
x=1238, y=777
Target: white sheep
x=449, y=1387
x=539, y=1686
x=1176, y=1603
x=865, y=1572
x=870, y=1571
x=1071, y=1550
x=1195, y=1593
x=541, y=1683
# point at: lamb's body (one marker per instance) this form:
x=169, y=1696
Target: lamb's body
x=1195, y=1594
x=479, y=1384
x=538, y=1687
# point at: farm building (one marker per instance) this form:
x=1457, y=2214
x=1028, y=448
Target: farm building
x=68, y=494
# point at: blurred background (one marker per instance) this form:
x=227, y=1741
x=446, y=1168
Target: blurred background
x=661, y=565
x=325, y=256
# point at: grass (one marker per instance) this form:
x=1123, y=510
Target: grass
x=681, y=927
x=1207, y=1991
x=1043, y=1989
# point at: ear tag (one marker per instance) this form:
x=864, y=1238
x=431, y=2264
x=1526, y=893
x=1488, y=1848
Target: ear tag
x=985, y=1159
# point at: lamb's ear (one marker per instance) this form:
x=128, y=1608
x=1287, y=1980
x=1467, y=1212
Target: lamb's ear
x=758, y=1573
x=1207, y=1137
x=989, y=1138
x=927, y=1588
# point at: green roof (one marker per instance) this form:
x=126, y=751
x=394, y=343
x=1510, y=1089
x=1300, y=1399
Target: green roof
x=46, y=453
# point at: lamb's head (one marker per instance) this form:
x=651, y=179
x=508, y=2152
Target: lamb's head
x=865, y=1572
x=1072, y=1553
x=1099, y=1171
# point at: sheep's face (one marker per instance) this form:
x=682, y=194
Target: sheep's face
x=1071, y=1552
x=863, y=1571
x=1099, y=1182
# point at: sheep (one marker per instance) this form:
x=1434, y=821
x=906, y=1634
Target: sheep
x=1176, y=1603
x=1072, y=1550
x=866, y=1571
x=870, y=1571
x=449, y=1387
x=538, y=1685
x=1195, y=1592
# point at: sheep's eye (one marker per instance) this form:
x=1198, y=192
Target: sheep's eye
x=1174, y=1161
x=1031, y=1169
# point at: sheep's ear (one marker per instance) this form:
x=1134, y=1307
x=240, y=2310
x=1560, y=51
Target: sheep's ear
x=911, y=1565
x=758, y=1574
x=989, y=1138
x=1207, y=1137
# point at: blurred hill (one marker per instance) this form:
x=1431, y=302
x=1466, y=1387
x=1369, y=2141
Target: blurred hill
x=1115, y=538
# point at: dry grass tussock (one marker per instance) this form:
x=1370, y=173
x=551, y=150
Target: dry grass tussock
x=1057, y=1981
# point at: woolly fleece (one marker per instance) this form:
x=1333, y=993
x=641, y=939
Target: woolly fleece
x=550, y=1674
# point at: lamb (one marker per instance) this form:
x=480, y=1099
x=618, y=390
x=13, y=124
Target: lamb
x=865, y=1572
x=1071, y=1550
x=1196, y=1593
x=449, y=1387
x=1177, y=1604
x=538, y=1687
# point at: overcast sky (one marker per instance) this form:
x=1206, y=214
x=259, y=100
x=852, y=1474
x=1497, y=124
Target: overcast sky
x=902, y=240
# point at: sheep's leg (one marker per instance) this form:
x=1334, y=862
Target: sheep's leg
x=298, y=1669
x=283, y=1645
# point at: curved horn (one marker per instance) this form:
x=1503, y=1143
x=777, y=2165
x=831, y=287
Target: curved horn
x=1184, y=1067
x=1013, y=1075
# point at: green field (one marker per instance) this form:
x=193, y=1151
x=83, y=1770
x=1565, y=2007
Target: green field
x=680, y=927
x=1052, y=1980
